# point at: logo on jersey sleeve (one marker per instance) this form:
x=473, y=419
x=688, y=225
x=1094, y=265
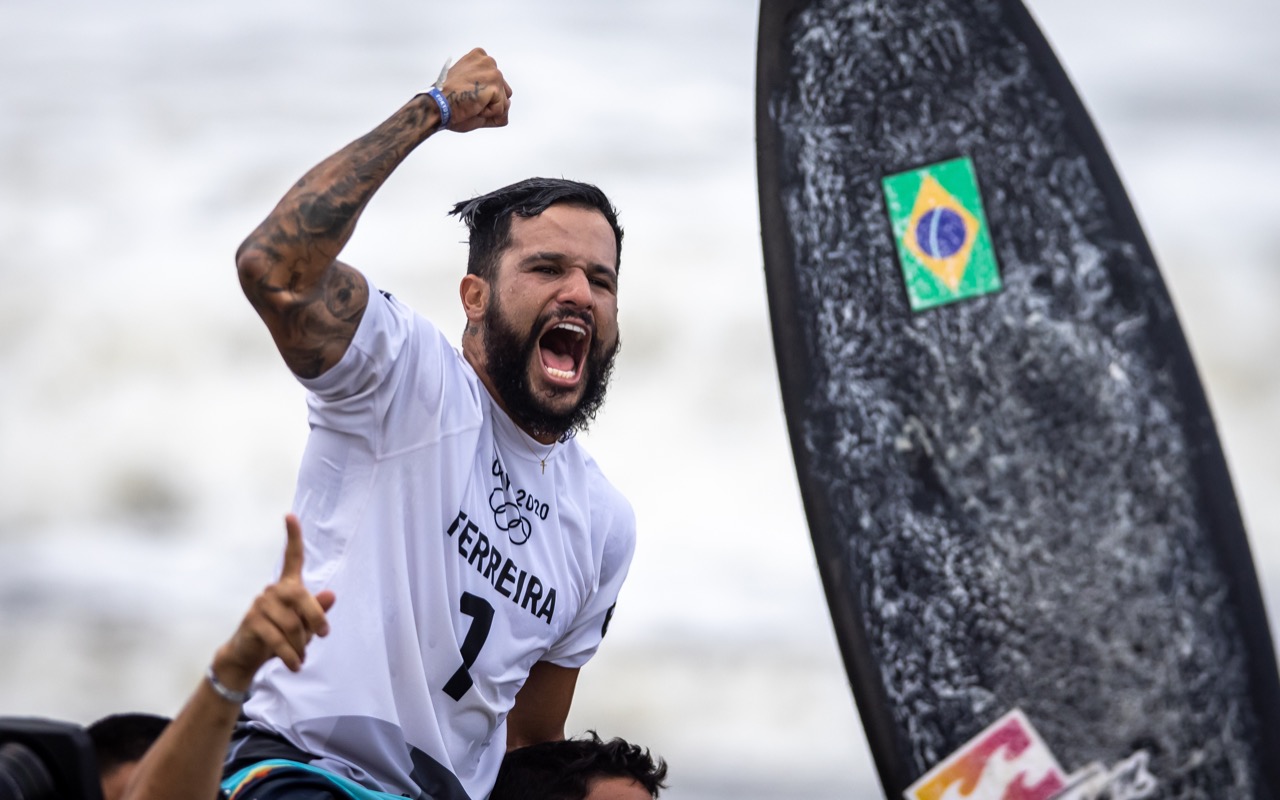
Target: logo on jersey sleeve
x=944, y=247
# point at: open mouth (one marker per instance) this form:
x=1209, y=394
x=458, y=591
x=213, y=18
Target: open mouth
x=563, y=349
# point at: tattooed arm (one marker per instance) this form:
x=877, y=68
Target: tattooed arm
x=289, y=267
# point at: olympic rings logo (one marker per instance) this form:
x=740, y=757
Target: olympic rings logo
x=507, y=516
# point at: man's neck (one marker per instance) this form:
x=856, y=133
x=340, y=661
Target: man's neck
x=476, y=360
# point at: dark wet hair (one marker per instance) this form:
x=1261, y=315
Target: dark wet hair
x=122, y=738
x=565, y=770
x=488, y=217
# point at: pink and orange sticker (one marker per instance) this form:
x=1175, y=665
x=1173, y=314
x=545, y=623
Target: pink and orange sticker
x=1006, y=761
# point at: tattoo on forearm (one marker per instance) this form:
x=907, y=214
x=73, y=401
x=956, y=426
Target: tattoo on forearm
x=294, y=250
x=318, y=214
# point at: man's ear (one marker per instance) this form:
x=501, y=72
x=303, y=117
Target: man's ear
x=474, y=292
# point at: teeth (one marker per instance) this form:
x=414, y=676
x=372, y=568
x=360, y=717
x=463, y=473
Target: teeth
x=560, y=373
x=577, y=330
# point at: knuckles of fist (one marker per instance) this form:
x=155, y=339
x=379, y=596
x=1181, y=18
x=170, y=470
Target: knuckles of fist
x=477, y=90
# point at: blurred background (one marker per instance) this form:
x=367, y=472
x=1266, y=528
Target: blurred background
x=149, y=433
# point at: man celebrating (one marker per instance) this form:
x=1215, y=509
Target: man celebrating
x=475, y=548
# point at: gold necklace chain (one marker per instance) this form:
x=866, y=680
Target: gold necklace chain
x=542, y=460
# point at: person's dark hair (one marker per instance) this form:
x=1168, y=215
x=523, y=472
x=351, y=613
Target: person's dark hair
x=564, y=770
x=122, y=738
x=488, y=217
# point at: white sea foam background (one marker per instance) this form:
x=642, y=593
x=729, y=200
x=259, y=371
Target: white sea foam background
x=149, y=433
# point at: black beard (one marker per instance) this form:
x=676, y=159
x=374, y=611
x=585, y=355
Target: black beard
x=508, y=354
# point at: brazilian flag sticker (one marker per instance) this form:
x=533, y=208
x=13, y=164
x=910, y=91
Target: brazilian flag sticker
x=941, y=233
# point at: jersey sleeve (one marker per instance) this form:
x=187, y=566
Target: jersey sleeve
x=395, y=355
x=584, y=635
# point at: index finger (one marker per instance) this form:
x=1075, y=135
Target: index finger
x=293, y=548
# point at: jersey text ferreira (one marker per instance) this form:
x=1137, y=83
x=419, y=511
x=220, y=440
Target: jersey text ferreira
x=523, y=588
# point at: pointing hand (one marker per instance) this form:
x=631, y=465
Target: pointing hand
x=280, y=623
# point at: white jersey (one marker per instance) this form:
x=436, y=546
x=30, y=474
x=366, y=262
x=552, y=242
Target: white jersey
x=456, y=560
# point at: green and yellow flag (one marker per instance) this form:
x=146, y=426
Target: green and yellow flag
x=941, y=232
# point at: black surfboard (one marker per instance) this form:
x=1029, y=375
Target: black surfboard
x=1015, y=490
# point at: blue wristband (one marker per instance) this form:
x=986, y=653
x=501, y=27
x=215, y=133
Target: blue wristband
x=445, y=113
